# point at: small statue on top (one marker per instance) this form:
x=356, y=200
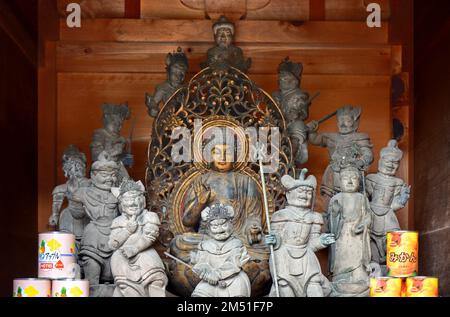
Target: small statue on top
x=219, y=260
x=295, y=105
x=387, y=195
x=137, y=268
x=176, y=67
x=109, y=139
x=296, y=237
x=346, y=145
x=225, y=53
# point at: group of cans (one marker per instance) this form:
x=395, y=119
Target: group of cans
x=402, y=269
x=56, y=270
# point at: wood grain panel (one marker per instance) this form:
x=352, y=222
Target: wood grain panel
x=354, y=10
x=94, y=9
x=146, y=30
x=148, y=57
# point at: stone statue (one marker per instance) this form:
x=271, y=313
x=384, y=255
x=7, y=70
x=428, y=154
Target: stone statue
x=101, y=206
x=219, y=260
x=295, y=105
x=387, y=194
x=73, y=218
x=225, y=53
x=176, y=67
x=347, y=146
x=137, y=268
x=296, y=235
x=109, y=139
x=222, y=184
x=349, y=219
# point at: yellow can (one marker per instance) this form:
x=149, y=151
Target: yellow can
x=422, y=286
x=385, y=287
x=402, y=253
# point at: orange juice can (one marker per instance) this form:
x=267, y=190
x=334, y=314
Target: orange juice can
x=402, y=253
x=422, y=286
x=385, y=287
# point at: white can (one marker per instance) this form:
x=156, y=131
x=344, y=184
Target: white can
x=56, y=255
x=32, y=287
x=70, y=288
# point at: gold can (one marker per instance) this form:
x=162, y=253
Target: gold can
x=402, y=253
x=385, y=287
x=422, y=286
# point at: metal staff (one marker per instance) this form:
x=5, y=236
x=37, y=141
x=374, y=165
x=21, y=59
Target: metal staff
x=222, y=284
x=329, y=116
x=259, y=152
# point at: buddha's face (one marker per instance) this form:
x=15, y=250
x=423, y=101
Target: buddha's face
x=104, y=179
x=222, y=158
x=300, y=197
x=346, y=124
x=388, y=166
x=177, y=74
x=113, y=123
x=224, y=37
x=287, y=81
x=220, y=229
x=132, y=202
x=349, y=181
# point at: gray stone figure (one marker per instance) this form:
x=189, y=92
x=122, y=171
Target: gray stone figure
x=296, y=235
x=339, y=145
x=219, y=260
x=224, y=53
x=295, y=105
x=137, y=268
x=72, y=219
x=176, y=66
x=387, y=194
x=109, y=139
x=101, y=206
x=349, y=219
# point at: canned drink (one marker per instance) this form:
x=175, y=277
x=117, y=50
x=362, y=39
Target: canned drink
x=422, y=286
x=385, y=287
x=70, y=288
x=56, y=255
x=402, y=253
x=32, y=287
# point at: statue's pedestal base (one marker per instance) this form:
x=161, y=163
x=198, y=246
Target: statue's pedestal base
x=102, y=290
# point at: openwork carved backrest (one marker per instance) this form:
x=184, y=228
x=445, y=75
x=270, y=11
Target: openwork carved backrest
x=225, y=98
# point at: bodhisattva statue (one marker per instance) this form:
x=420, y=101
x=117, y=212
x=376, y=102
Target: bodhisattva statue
x=340, y=145
x=176, y=67
x=109, y=139
x=222, y=184
x=224, y=53
x=72, y=219
x=349, y=219
x=219, y=259
x=137, y=268
x=295, y=105
x=101, y=206
x=296, y=235
x=387, y=195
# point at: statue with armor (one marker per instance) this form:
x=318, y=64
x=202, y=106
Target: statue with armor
x=218, y=260
x=295, y=105
x=349, y=219
x=387, y=195
x=109, y=139
x=101, y=206
x=296, y=236
x=348, y=145
x=137, y=268
x=176, y=68
x=73, y=218
x=225, y=53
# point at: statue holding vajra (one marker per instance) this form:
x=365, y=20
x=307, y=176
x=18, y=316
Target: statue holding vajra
x=296, y=235
x=137, y=268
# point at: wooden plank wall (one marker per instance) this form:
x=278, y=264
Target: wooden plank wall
x=112, y=59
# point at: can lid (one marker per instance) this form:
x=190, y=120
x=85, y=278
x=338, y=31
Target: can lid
x=70, y=280
x=57, y=232
x=422, y=277
x=403, y=231
x=32, y=279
